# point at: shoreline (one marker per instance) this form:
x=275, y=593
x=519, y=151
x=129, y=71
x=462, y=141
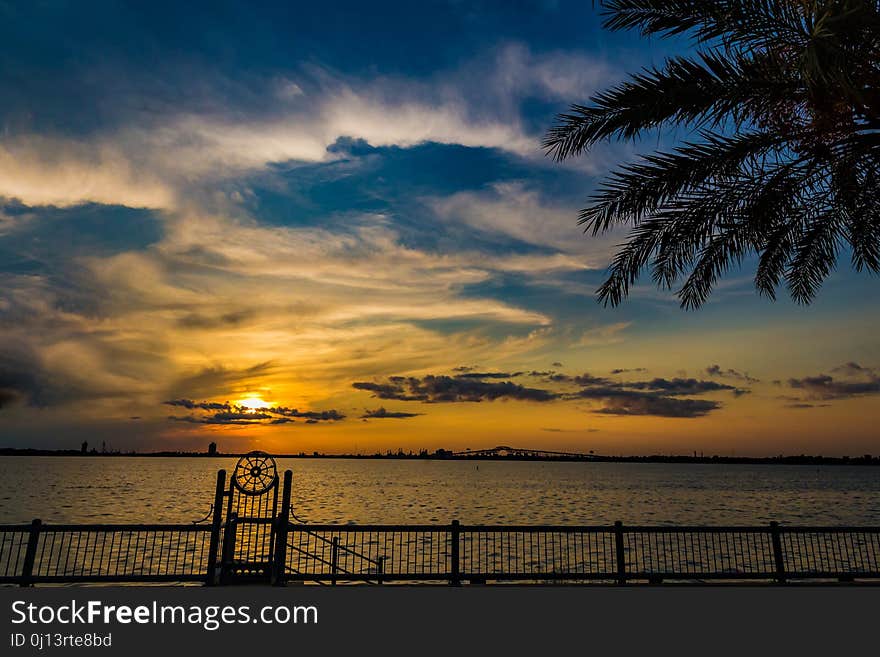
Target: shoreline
x=865, y=460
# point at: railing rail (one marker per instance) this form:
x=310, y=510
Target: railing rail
x=43, y=553
x=616, y=553
x=326, y=553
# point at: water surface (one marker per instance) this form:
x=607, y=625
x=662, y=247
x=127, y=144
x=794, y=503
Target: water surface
x=123, y=489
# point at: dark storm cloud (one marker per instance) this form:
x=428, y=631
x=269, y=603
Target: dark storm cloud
x=235, y=416
x=386, y=390
x=600, y=387
x=218, y=418
x=659, y=397
x=442, y=388
x=8, y=396
x=717, y=370
x=679, y=386
x=22, y=379
x=586, y=379
x=853, y=369
x=381, y=413
x=26, y=379
x=488, y=375
x=825, y=386
x=227, y=413
x=660, y=406
x=205, y=406
x=331, y=415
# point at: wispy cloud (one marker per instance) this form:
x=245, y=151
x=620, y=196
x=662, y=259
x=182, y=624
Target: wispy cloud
x=513, y=211
x=153, y=160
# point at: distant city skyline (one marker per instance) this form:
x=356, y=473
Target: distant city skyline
x=330, y=229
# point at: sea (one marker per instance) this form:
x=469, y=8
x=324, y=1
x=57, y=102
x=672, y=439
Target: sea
x=368, y=491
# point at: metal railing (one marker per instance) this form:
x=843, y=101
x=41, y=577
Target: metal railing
x=453, y=554
x=615, y=554
x=39, y=553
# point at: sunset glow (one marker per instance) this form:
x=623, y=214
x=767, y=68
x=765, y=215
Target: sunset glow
x=253, y=403
x=323, y=245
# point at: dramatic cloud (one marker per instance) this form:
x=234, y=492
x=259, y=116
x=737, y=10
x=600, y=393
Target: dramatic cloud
x=222, y=418
x=8, y=396
x=217, y=379
x=488, y=375
x=150, y=159
x=331, y=415
x=228, y=413
x=205, y=406
x=437, y=389
x=716, y=370
x=855, y=382
x=679, y=386
x=645, y=404
x=194, y=227
x=382, y=413
x=590, y=380
x=19, y=379
x=853, y=369
x=659, y=397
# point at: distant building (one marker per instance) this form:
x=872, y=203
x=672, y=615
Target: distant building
x=212, y=449
x=84, y=447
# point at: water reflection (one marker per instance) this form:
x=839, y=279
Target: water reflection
x=120, y=489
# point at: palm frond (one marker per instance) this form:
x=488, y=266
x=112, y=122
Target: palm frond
x=781, y=106
x=753, y=23
x=637, y=189
x=687, y=91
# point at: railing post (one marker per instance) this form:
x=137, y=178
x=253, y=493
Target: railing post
x=334, y=558
x=454, y=576
x=228, y=547
x=216, y=525
x=282, y=524
x=777, y=552
x=619, y=557
x=380, y=570
x=30, y=555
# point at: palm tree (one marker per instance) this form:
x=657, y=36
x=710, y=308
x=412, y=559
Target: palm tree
x=781, y=101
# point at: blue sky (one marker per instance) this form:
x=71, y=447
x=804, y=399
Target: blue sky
x=228, y=201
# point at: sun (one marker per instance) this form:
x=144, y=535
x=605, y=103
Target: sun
x=253, y=403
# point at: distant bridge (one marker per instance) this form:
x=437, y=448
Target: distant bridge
x=504, y=451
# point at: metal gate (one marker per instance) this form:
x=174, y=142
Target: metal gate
x=249, y=518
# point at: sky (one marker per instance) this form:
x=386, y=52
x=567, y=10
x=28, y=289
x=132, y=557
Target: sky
x=332, y=227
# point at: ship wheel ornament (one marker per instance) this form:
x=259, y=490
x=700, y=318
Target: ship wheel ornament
x=254, y=473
